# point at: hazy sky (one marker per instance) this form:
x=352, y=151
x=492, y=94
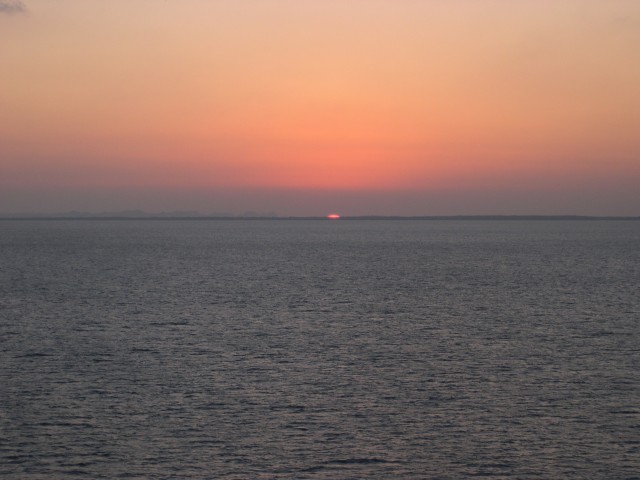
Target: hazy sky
x=309, y=106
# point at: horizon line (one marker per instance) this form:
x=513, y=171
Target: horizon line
x=195, y=216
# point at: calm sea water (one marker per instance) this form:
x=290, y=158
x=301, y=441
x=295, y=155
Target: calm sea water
x=319, y=349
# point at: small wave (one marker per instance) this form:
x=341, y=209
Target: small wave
x=358, y=461
x=316, y=468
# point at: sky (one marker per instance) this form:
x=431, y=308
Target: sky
x=306, y=107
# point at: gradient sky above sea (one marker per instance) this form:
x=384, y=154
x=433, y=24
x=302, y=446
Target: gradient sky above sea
x=305, y=107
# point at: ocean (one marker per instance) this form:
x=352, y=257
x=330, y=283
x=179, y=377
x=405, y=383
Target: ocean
x=316, y=349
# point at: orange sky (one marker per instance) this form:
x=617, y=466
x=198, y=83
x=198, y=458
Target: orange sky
x=389, y=106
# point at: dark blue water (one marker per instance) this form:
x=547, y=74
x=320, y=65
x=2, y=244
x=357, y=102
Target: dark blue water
x=319, y=349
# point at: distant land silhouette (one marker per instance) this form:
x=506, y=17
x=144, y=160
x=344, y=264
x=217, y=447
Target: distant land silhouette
x=139, y=214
